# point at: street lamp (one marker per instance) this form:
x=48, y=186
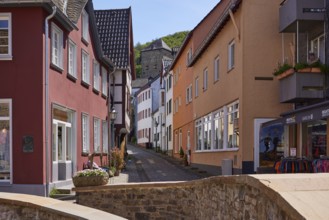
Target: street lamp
x=113, y=116
x=156, y=135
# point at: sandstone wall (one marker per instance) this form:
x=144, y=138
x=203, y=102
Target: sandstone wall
x=236, y=197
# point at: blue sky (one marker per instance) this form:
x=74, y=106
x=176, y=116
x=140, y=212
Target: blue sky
x=153, y=19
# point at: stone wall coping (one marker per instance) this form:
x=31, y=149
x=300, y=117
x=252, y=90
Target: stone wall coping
x=61, y=208
x=304, y=196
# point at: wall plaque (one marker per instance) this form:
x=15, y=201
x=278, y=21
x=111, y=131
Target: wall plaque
x=28, y=145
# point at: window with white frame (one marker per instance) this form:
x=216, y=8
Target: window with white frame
x=180, y=139
x=105, y=129
x=5, y=139
x=5, y=36
x=205, y=79
x=97, y=135
x=85, y=67
x=176, y=142
x=196, y=87
x=85, y=25
x=72, y=59
x=216, y=69
x=104, y=81
x=318, y=48
x=56, y=46
x=188, y=94
x=169, y=133
x=233, y=116
x=207, y=131
x=231, y=52
x=219, y=129
x=198, y=136
x=96, y=75
x=85, y=133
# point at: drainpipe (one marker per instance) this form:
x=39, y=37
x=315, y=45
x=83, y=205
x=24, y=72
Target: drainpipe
x=47, y=98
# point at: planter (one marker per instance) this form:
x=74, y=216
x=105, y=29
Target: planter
x=286, y=73
x=83, y=181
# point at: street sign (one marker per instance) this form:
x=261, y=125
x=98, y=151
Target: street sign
x=314, y=10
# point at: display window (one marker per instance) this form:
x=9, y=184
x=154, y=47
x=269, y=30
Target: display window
x=314, y=135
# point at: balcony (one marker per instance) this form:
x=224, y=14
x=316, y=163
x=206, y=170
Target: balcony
x=302, y=86
x=295, y=15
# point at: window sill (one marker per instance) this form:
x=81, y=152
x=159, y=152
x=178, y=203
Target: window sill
x=71, y=77
x=85, y=84
x=104, y=96
x=217, y=150
x=6, y=58
x=84, y=41
x=56, y=68
x=230, y=69
x=96, y=91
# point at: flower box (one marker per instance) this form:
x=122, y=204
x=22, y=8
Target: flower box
x=90, y=178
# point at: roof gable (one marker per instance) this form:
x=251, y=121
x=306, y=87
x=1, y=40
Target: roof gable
x=157, y=44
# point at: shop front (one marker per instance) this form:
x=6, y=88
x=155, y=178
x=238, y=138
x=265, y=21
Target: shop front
x=297, y=142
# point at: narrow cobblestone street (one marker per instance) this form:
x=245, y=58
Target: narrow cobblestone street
x=145, y=165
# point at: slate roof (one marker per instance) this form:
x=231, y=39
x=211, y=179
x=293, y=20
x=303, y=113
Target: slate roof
x=114, y=31
x=157, y=44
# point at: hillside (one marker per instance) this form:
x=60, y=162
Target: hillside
x=172, y=40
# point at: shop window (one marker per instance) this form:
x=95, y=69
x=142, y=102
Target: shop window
x=314, y=136
x=5, y=140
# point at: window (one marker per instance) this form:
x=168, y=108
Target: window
x=162, y=98
x=196, y=86
x=216, y=69
x=5, y=139
x=96, y=75
x=85, y=26
x=189, y=56
x=205, y=79
x=169, y=133
x=219, y=129
x=72, y=59
x=180, y=139
x=176, y=141
x=104, y=81
x=231, y=48
x=57, y=46
x=198, y=132
x=85, y=133
x=105, y=129
x=207, y=132
x=97, y=135
x=318, y=48
x=169, y=107
x=189, y=94
x=85, y=67
x=5, y=36
x=169, y=82
x=233, y=115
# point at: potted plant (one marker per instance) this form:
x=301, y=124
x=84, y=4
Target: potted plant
x=117, y=160
x=181, y=152
x=283, y=70
x=90, y=177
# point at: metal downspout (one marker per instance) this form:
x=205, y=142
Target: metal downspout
x=47, y=98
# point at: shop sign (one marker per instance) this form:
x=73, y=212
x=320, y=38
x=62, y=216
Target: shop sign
x=293, y=152
x=325, y=113
x=307, y=117
x=291, y=120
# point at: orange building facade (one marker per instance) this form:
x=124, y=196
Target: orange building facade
x=227, y=88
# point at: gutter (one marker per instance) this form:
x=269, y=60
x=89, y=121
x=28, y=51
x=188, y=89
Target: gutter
x=47, y=120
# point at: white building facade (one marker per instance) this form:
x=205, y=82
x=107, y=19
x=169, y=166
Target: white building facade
x=144, y=116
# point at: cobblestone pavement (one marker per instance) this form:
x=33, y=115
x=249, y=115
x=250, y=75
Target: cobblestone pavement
x=148, y=166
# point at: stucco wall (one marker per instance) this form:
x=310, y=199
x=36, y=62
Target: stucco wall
x=236, y=197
